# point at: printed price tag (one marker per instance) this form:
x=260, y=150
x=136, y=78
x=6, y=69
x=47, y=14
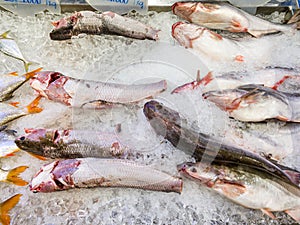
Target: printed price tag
x=120, y=6
x=30, y=7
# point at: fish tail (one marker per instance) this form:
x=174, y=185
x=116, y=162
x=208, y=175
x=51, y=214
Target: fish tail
x=294, y=213
x=6, y=206
x=13, y=176
x=294, y=176
x=32, y=73
x=33, y=106
x=4, y=35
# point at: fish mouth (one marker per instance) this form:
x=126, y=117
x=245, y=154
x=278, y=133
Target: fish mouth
x=174, y=26
x=184, y=9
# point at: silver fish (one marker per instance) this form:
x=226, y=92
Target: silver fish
x=254, y=103
x=79, y=93
x=11, y=82
x=106, y=23
x=9, y=47
x=71, y=143
x=282, y=79
x=95, y=172
x=208, y=43
x=7, y=144
x=250, y=189
x=226, y=17
x=8, y=112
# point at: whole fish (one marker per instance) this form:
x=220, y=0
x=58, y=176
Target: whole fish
x=247, y=187
x=12, y=176
x=9, y=47
x=106, y=23
x=95, y=172
x=282, y=79
x=78, y=93
x=208, y=43
x=7, y=143
x=6, y=206
x=11, y=82
x=254, y=103
x=202, y=147
x=224, y=16
x=8, y=112
x=71, y=143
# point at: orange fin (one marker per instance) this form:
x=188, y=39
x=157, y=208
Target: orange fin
x=14, y=104
x=282, y=118
x=294, y=213
x=14, y=74
x=215, y=36
x=207, y=78
x=6, y=206
x=13, y=176
x=239, y=58
x=38, y=156
x=12, y=153
x=33, y=106
x=32, y=73
x=268, y=213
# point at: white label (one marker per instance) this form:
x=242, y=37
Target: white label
x=119, y=6
x=30, y=7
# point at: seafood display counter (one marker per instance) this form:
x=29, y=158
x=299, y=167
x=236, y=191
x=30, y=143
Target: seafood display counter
x=185, y=115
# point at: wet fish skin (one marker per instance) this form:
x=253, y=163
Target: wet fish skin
x=6, y=206
x=9, y=47
x=71, y=143
x=106, y=23
x=69, y=91
x=167, y=122
x=12, y=175
x=223, y=16
x=207, y=43
x=9, y=83
x=249, y=188
x=256, y=103
x=9, y=113
x=93, y=172
x=7, y=144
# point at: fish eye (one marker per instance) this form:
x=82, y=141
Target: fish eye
x=22, y=138
x=35, y=191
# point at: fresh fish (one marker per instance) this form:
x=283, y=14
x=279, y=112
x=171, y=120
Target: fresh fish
x=95, y=172
x=6, y=206
x=8, y=112
x=254, y=103
x=106, y=23
x=12, y=176
x=78, y=93
x=7, y=143
x=9, y=47
x=11, y=82
x=247, y=187
x=71, y=143
x=208, y=43
x=202, y=147
x=226, y=17
x=282, y=79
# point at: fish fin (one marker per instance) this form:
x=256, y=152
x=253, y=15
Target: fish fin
x=294, y=213
x=215, y=36
x=4, y=35
x=282, y=118
x=32, y=73
x=33, y=106
x=239, y=58
x=14, y=104
x=268, y=213
x=207, y=78
x=295, y=20
x=13, y=176
x=37, y=156
x=254, y=33
x=12, y=153
x=14, y=73
x=278, y=83
x=236, y=26
x=6, y=206
x=293, y=175
x=26, y=65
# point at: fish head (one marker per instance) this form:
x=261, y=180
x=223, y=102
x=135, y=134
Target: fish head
x=50, y=85
x=226, y=100
x=55, y=176
x=38, y=141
